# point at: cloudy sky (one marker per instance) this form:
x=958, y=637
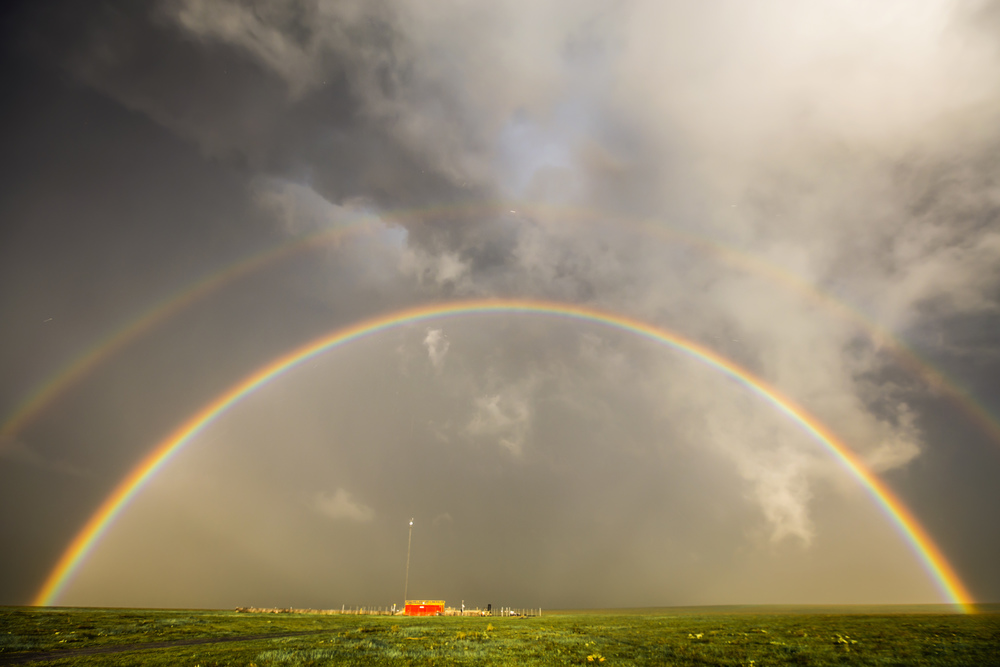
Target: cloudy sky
x=811, y=190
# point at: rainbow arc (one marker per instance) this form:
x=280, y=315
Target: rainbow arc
x=45, y=393
x=923, y=546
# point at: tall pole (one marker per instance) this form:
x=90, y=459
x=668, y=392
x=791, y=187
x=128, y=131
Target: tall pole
x=406, y=586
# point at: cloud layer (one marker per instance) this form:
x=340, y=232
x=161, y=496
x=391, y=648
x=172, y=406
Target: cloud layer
x=808, y=189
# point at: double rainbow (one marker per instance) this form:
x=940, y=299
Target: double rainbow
x=933, y=561
x=38, y=399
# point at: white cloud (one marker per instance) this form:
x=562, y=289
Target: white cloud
x=341, y=505
x=437, y=347
x=898, y=444
x=436, y=269
x=781, y=488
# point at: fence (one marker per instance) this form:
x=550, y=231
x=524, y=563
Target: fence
x=391, y=611
x=506, y=611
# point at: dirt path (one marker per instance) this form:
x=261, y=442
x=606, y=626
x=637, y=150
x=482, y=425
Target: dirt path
x=38, y=656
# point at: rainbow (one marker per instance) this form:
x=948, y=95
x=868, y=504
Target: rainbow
x=909, y=358
x=32, y=405
x=942, y=574
x=36, y=401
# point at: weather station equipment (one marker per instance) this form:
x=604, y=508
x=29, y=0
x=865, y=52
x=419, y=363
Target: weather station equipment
x=424, y=608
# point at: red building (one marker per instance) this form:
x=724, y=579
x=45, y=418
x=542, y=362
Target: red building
x=424, y=607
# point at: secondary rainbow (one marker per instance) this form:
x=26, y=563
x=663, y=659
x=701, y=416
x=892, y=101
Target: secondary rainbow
x=930, y=556
x=67, y=376
x=29, y=408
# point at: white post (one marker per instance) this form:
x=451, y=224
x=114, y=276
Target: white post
x=406, y=586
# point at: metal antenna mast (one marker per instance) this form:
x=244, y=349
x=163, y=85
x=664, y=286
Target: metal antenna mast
x=406, y=587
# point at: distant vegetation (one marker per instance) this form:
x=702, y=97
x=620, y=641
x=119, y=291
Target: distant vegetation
x=758, y=639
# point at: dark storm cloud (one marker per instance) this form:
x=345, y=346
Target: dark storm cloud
x=850, y=146
x=235, y=106
x=348, y=98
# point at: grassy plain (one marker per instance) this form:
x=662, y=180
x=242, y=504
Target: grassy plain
x=720, y=636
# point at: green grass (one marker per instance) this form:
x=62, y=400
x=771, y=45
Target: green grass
x=729, y=637
x=28, y=629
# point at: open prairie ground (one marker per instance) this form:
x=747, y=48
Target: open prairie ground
x=757, y=636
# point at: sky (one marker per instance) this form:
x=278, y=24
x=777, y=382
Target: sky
x=194, y=188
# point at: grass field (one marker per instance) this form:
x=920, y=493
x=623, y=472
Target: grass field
x=721, y=636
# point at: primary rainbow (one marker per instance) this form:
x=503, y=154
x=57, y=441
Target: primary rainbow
x=942, y=574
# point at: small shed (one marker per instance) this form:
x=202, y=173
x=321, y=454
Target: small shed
x=424, y=607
